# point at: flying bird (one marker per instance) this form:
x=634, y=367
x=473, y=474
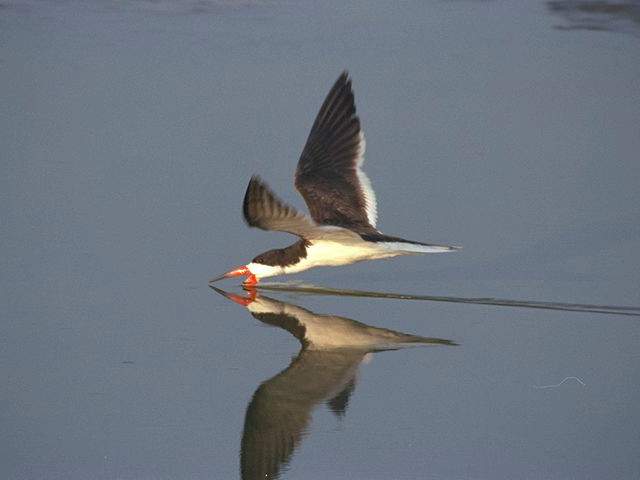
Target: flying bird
x=341, y=226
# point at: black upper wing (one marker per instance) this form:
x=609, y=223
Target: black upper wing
x=328, y=176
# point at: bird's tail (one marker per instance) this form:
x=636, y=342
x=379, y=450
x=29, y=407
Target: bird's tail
x=397, y=244
x=417, y=247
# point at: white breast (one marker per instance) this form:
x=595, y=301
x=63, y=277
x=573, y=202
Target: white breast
x=328, y=253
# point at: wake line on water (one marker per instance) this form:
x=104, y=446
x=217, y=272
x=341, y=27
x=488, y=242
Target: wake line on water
x=567, y=307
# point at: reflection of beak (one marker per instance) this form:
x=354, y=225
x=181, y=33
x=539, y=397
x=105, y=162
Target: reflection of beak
x=239, y=299
x=238, y=272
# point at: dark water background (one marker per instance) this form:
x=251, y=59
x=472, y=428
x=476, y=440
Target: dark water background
x=128, y=132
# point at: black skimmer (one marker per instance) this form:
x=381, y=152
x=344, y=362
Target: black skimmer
x=324, y=370
x=341, y=228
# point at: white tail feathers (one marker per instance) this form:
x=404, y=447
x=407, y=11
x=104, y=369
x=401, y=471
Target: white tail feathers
x=417, y=248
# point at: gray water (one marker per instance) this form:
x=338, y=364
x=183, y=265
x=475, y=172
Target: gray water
x=129, y=130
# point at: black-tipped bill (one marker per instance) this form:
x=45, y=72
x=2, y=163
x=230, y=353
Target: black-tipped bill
x=233, y=273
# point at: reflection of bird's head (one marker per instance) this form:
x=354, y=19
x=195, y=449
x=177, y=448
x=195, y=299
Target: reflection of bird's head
x=239, y=299
x=255, y=303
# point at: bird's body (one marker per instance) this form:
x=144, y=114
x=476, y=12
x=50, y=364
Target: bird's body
x=336, y=252
x=341, y=228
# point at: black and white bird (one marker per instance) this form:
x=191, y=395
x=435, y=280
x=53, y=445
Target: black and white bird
x=341, y=228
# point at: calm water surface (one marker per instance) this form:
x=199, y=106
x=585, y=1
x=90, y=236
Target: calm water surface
x=128, y=133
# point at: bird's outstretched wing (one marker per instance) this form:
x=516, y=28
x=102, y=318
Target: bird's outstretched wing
x=329, y=176
x=262, y=209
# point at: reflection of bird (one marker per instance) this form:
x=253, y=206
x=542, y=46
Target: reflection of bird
x=332, y=349
x=341, y=228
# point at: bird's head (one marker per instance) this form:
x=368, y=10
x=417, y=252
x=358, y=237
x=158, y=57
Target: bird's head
x=264, y=265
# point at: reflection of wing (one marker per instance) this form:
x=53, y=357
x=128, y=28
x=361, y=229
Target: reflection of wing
x=340, y=402
x=262, y=209
x=280, y=410
x=329, y=176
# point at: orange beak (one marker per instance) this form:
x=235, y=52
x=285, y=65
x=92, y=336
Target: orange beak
x=238, y=272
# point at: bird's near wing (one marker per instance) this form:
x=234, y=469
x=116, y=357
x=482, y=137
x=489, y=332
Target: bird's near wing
x=329, y=176
x=262, y=209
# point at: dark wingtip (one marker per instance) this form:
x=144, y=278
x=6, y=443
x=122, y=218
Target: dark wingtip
x=343, y=82
x=260, y=204
x=255, y=184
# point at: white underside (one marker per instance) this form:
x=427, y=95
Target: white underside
x=350, y=249
x=331, y=254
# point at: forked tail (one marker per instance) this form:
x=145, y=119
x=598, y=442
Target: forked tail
x=416, y=247
x=398, y=244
